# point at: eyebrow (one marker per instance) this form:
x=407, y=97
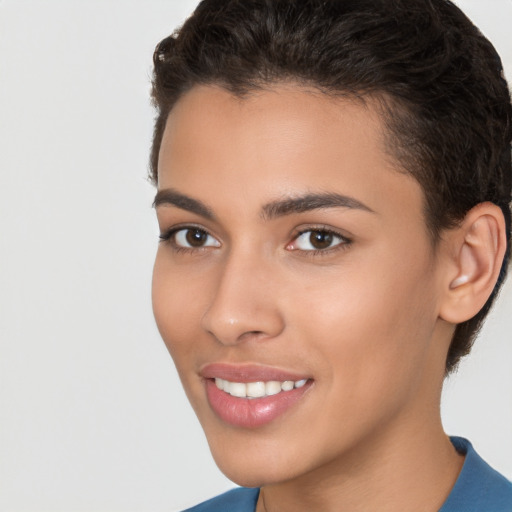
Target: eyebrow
x=272, y=210
x=170, y=196
x=309, y=202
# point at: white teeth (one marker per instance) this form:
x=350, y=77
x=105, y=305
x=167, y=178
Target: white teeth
x=238, y=389
x=273, y=387
x=257, y=389
x=287, y=385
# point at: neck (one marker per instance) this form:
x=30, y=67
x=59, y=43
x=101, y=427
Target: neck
x=414, y=470
x=406, y=464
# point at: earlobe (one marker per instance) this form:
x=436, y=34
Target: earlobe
x=478, y=249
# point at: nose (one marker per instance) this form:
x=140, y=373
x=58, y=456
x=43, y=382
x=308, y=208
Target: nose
x=244, y=304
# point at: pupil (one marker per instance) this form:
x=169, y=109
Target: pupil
x=320, y=239
x=196, y=237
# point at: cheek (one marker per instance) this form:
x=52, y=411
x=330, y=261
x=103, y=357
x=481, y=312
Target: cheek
x=176, y=302
x=372, y=333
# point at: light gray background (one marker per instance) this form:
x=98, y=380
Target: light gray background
x=92, y=416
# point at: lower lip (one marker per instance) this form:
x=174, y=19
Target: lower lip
x=254, y=412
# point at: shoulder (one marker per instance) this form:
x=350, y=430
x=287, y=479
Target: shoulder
x=236, y=500
x=479, y=486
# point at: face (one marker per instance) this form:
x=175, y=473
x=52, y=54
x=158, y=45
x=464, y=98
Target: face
x=295, y=285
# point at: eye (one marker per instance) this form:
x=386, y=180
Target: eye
x=317, y=240
x=190, y=238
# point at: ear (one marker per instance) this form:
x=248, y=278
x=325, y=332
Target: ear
x=476, y=249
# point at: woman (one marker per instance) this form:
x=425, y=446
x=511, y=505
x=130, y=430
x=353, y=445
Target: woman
x=334, y=182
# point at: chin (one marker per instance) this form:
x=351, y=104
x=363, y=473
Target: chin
x=251, y=459
x=253, y=474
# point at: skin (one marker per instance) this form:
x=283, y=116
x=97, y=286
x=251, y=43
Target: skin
x=362, y=318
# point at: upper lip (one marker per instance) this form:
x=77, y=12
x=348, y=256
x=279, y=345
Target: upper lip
x=248, y=373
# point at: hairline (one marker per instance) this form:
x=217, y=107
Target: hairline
x=382, y=103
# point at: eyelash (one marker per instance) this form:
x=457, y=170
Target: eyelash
x=342, y=246
x=167, y=237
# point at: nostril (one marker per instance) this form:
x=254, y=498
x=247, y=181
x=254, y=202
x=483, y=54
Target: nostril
x=251, y=335
x=227, y=339
x=241, y=313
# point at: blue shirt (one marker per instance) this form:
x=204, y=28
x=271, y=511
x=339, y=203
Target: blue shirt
x=479, y=488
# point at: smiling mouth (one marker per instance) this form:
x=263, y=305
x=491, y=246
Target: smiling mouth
x=252, y=395
x=238, y=408
x=259, y=389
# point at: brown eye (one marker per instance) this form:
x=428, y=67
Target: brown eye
x=320, y=239
x=194, y=238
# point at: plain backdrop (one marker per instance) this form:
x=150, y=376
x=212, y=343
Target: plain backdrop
x=92, y=415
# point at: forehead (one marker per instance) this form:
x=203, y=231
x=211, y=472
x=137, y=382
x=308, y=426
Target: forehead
x=278, y=141
x=282, y=117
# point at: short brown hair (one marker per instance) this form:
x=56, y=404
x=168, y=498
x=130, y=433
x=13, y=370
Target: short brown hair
x=446, y=102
